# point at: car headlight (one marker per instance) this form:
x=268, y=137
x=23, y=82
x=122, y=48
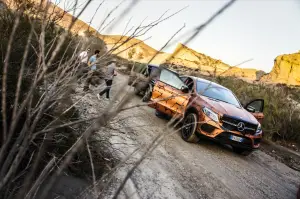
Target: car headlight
x=258, y=130
x=209, y=113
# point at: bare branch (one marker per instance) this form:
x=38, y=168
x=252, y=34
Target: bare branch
x=4, y=76
x=92, y=166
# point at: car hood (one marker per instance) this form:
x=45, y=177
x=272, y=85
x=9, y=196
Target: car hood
x=229, y=109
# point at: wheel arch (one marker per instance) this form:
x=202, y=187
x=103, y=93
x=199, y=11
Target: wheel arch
x=191, y=110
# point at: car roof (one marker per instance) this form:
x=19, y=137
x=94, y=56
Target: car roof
x=163, y=67
x=207, y=82
x=153, y=65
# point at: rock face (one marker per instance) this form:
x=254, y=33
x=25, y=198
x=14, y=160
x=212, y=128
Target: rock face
x=60, y=16
x=190, y=58
x=286, y=70
x=244, y=73
x=133, y=49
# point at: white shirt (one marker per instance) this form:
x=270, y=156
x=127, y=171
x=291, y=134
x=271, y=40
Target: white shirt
x=83, y=56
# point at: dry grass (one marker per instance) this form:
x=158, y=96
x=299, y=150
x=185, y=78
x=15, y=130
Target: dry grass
x=39, y=71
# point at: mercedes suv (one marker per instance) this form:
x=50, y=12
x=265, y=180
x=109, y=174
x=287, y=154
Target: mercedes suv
x=208, y=109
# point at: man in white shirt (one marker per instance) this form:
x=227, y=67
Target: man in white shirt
x=83, y=56
x=83, y=63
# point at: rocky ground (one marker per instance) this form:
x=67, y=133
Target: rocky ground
x=177, y=169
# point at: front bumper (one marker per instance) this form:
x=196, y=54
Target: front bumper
x=215, y=130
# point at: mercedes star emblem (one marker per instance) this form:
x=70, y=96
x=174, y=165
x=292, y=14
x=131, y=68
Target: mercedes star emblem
x=241, y=126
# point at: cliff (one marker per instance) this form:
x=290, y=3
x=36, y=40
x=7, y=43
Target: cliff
x=286, y=70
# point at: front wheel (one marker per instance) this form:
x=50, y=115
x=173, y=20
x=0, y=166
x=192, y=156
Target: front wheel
x=241, y=151
x=189, y=128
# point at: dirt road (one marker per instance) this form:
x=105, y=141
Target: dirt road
x=177, y=169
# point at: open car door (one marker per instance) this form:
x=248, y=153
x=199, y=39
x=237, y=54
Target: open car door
x=256, y=107
x=170, y=94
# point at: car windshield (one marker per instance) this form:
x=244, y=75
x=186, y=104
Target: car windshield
x=217, y=93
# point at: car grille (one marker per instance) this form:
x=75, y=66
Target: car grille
x=231, y=124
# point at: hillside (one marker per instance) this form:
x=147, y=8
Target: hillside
x=286, y=70
x=190, y=58
x=60, y=16
x=246, y=74
x=129, y=48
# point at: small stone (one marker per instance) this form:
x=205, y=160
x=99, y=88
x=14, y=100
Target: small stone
x=273, y=151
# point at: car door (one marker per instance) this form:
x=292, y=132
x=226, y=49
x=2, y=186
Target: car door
x=256, y=108
x=170, y=94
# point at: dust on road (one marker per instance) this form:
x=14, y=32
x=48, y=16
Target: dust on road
x=177, y=169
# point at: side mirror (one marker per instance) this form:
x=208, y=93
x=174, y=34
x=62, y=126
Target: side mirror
x=255, y=106
x=250, y=109
x=185, y=89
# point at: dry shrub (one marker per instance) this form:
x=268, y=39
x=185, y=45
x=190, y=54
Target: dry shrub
x=57, y=142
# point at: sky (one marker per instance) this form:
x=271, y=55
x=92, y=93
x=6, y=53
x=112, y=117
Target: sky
x=257, y=30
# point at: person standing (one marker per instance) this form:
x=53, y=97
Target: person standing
x=110, y=73
x=83, y=59
x=93, y=67
x=92, y=60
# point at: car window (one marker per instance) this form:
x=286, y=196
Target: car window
x=171, y=79
x=153, y=70
x=183, y=78
x=216, y=92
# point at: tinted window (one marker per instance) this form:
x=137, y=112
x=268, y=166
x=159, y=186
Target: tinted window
x=171, y=78
x=153, y=71
x=183, y=78
x=217, y=93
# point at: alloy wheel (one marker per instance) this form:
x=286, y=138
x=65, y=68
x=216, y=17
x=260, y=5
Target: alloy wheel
x=188, y=126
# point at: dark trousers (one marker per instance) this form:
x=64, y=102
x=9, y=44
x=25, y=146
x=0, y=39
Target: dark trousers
x=82, y=70
x=107, y=89
x=93, y=77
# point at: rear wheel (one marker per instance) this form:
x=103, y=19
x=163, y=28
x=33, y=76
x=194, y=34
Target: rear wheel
x=140, y=87
x=189, y=128
x=136, y=91
x=147, y=95
x=241, y=151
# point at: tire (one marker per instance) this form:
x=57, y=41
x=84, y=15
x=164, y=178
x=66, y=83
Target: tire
x=136, y=91
x=139, y=87
x=189, y=128
x=147, y=94
x=241, y=151
x=162, y=115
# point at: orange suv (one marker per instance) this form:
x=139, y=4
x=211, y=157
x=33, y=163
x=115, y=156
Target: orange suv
x=208, y=109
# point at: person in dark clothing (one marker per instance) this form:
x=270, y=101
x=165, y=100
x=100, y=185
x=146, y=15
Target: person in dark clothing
x=110, y=73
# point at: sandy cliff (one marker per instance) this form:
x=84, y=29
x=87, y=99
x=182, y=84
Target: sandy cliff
x=244, y=73
x=286, y=70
